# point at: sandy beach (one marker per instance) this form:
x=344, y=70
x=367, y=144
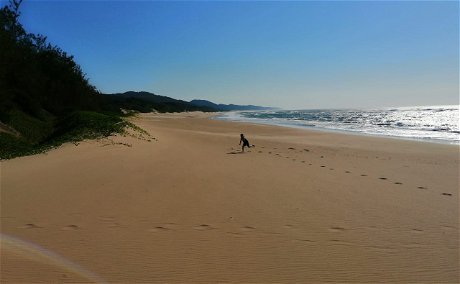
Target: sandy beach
x=184, y=205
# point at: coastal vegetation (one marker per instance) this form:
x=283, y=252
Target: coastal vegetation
x=46, y=98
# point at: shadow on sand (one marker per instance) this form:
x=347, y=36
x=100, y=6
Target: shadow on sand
x=235, y=152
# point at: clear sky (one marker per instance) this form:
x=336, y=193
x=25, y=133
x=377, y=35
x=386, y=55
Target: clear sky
x=287, y=54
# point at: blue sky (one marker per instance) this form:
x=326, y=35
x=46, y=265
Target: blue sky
x=288, y=54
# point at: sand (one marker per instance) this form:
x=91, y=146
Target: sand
x=187, y=206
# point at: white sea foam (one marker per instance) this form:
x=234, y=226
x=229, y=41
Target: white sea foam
x=430, y=123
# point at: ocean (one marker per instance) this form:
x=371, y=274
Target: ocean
x=427, y=123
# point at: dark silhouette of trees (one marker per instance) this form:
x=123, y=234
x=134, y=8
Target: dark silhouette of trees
x=35, y=76
x=46, y=99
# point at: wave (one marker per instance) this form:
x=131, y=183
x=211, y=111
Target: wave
x=440, y=123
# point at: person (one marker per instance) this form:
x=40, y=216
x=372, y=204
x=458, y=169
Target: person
x=245, y=142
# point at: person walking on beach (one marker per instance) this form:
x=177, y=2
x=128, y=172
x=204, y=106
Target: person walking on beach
x=245, y=142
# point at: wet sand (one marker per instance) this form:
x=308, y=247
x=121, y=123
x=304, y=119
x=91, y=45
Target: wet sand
x=185, y=205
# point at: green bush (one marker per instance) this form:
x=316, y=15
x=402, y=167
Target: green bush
x=32, y=129
x=45, y=95
x=74, y=127
x=87, y=125
x=11, y=146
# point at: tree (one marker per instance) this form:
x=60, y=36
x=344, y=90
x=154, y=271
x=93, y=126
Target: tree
x=36, y=76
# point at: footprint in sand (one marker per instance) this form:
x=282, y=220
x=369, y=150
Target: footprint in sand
x=336, y=229
x=421, y=187
x=323, y=166
x=247, y=228
x=163, y=228
x=310, y=164
x=347, y=172
x=203, y=227
x=159, y=229
x=322, y=157
x=260, y=152
x=70, y=227
x=290, y=148
x=363, y=175
x=306, y=150
x=303, y=161
x=447, y=194
x=398, y=183
x=383, y=178
x=269, y=152
x=30, y=226
x=304, y=240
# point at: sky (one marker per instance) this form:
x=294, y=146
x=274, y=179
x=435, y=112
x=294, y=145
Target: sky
x=294, y=55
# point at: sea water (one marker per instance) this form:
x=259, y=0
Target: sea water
x=429, y=123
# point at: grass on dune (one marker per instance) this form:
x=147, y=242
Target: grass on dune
x=41, y=136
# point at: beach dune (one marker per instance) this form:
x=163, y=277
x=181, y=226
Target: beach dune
x=185, y=205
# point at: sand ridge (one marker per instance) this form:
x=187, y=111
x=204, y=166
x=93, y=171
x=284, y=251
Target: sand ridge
x=187, y=206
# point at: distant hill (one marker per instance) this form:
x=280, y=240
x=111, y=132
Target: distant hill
x=146, y=102
x=230, y=107
x=46, y=99
x=151, y=97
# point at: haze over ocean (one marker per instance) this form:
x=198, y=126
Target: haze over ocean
x=288, y=54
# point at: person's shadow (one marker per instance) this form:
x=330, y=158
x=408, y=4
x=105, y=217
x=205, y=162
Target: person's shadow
x=235, y=152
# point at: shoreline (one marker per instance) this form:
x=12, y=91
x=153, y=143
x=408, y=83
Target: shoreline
x=331, y=130
x=349, y=132
x=187, y=206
